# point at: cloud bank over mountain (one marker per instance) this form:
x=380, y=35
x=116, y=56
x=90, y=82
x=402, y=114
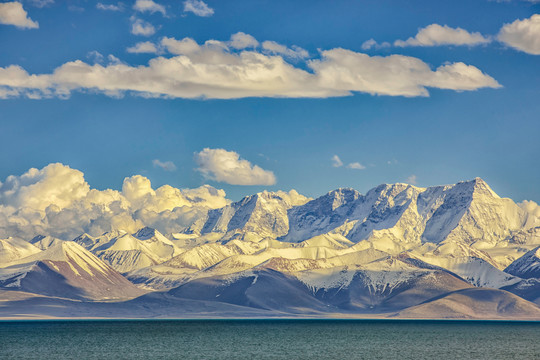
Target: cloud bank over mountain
x=57, y=201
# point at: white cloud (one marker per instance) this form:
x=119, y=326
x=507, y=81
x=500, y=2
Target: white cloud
x=436, y=35
x=356, y=166
x=371, y=43
x=57, y=201
x=141, y=27
x=165, y=165
x=523, y=35
x=76, y=8
x=198, y=7
x=143, y=47
x=213, y=70
x=12, y=13
x=226, y=166
x=295, y=52
x=336, y=161
x=186, y=46
x=531, y=207
x=95, y=56
x=41, y=3
x=411, y=180
x=110, y=7
x=394, y=75
x=149, y=6
x=55, y=184
x=241, y=40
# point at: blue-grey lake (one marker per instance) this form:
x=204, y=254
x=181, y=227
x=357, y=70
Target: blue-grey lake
x=269, y=339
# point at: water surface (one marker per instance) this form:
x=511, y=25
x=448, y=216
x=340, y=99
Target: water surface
x=269, y=339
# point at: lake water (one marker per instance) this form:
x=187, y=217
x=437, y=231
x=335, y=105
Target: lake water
x=269, y=339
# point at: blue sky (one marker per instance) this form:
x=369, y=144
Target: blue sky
x=428, y=127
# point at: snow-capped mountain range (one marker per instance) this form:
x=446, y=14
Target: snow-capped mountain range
x=399, y=250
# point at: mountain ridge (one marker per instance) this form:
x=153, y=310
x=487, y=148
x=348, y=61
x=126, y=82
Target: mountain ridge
x=398, y=249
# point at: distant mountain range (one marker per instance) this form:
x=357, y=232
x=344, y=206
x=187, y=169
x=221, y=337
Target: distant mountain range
x=454, y=251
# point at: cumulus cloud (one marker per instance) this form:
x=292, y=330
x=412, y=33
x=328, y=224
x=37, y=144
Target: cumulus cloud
x=56, y=200
x=143, y=47
x=522, y=35
x=241, y=40
x=436, y=35
x=227, y=166
x=356, y=166
x=336, y=161
x=55, y=184
x=165, y=165
x=295, y=52
x=531, y=207
x=214, y=70
x=110, y=7
x=12, y=13
x=395, y=75
x=149, y=6
x=198, y=7
x=141, y=27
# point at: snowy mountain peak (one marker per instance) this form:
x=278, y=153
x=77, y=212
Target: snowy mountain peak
x=339, y=197
x=145, y=233
x=527, y=266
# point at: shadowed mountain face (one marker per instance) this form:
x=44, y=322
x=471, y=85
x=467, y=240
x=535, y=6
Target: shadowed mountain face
x=527, y=266
x=67, y=270
x=399, y=250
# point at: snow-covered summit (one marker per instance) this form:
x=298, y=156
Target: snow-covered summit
x=527, y=266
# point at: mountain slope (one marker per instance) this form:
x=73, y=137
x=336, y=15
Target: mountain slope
x=126, y=252
x=527, y=266
x=13, y=249
x=475, y=304
x=66, y=270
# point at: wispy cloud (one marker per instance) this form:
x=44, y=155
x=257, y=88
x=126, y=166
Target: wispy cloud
x=12, y=13
x=110, y=7
x=371, y=43
x=143, y=47
x=336, y=161
x=41, y=3
x=165, y=165
x=356, y=166
x=295, y=52
x=95, y=56
x=227, y=166
x=411, y=180
x=198, y=7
